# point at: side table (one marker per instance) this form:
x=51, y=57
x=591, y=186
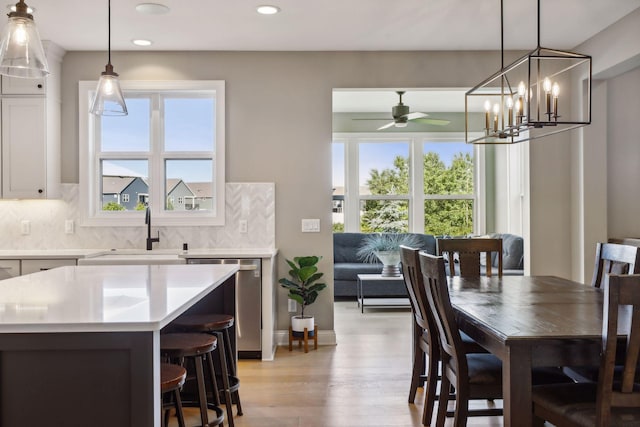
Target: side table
x=369, y=280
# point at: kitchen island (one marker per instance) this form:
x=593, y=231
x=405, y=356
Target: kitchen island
x=80, y=345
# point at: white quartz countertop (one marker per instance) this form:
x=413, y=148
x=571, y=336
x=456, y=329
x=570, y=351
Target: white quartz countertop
x=91, y=253
x=104, y=298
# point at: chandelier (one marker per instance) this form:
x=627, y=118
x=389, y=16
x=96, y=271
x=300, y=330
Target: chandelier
x=535, y=96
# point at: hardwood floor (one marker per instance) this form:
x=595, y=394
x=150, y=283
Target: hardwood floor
x=363, y=381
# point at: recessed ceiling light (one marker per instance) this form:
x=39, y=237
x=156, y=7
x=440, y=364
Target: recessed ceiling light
x=152, y=8
x=267, y=9
x=142, y=42
x=12, y=8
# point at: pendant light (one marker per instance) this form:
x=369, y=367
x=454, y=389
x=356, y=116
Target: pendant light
x=545, y=92
x=21, y=52
x=109, y=100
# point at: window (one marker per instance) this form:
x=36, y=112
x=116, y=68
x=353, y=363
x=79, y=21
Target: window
x=169, y=147
x=125, y=198
x=413, y=182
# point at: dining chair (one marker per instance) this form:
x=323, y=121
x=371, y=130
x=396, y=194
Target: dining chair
x=615, y=258
x=467, y=253
x=473, y=376
x=614, y=400
x=425, y=336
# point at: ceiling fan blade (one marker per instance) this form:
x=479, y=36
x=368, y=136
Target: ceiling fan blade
x=435, y=122
x=370, y=118
x=416, y=115
x=388, y=125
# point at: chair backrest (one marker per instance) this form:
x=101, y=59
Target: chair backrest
x=468, y=251
x=435, y=282
x=417, y=293
x=622, y=290
x=615, y=258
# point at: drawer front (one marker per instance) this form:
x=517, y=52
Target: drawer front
x=35, y=265
x=9, y=268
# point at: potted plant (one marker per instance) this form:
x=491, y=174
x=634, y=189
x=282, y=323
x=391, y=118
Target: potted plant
x=386, y=248
x=303, y=288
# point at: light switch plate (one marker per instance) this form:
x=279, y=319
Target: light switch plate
x=25, y=227
x=243, y=226
x=69, y=226
x=292, y=306
x=311, y=225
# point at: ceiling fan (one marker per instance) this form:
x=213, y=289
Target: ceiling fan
x=402, y=116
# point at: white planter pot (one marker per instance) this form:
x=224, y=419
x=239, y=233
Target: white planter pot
x=298, y=323
x=390, y=263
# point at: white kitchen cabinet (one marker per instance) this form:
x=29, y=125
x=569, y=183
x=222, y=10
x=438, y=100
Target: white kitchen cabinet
x=24, y=155
x=19, y=86
x=9, y=268
x=30, y=144
x=35, y=265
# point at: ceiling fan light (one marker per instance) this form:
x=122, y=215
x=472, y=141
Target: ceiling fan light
x=401, y=124
x=21, y=51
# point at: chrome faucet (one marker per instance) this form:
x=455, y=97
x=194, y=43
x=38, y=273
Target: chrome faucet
x=150, y=240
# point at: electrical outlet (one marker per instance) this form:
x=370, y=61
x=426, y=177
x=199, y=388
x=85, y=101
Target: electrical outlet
x=25, y=227
x=243, y=226
x=292, y=306
x=69, y=226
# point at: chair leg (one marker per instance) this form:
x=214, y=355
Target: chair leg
x=232, y=370
x=462, y=407
x=202, y=393
x=445, y=387
x=430, y=390
x=225, y=378
x=178, y=405
x=418, y=367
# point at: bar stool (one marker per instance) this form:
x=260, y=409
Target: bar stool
x=218, y=325
x=172, y=377
x=198, y=349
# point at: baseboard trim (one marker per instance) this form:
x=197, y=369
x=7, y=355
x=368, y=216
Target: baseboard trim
x=325, y=337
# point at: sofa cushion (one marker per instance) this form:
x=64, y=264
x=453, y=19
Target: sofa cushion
x=350, y=270
x=512, y=252
x=345, y=247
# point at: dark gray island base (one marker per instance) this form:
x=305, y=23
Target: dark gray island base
x=95, y=377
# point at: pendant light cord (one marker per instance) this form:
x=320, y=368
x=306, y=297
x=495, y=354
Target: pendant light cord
x=538, y=24
x=502, y=34
x=109, y=31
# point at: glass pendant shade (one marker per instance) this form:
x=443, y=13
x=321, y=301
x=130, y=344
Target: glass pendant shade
x=21, y=51
x=109, y=100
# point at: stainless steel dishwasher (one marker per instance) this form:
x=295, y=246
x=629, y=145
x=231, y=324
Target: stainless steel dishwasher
x=249, y=303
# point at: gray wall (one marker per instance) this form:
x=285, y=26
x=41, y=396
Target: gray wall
x=279, y=125
x=279, y=122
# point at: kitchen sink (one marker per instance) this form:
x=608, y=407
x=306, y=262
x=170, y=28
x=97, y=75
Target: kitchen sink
x=133, y=256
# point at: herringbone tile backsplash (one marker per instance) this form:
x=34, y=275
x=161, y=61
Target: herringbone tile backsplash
x=252, y=201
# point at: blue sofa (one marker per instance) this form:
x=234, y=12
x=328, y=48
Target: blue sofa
x=347, y=266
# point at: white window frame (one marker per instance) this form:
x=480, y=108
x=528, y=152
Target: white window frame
x=90, y=180
x=125, y=198
x=416, y=196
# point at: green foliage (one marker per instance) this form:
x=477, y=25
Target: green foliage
x=303, y=273
x=338, y=227
x=112, y=206
x=140, y=206
x=442, y=217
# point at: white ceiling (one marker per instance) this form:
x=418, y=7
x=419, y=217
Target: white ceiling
x=325, y=24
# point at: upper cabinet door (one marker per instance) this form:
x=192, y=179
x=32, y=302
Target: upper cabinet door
x=24, y=148
x=18, y=86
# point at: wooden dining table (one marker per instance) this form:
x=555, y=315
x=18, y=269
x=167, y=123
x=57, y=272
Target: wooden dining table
x=529, y=321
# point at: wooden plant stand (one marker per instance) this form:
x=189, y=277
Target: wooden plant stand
x=304, y=338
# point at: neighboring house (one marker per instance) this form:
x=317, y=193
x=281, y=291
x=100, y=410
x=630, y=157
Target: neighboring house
x=179, y=195
x=126, y=191
x=202, y=196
